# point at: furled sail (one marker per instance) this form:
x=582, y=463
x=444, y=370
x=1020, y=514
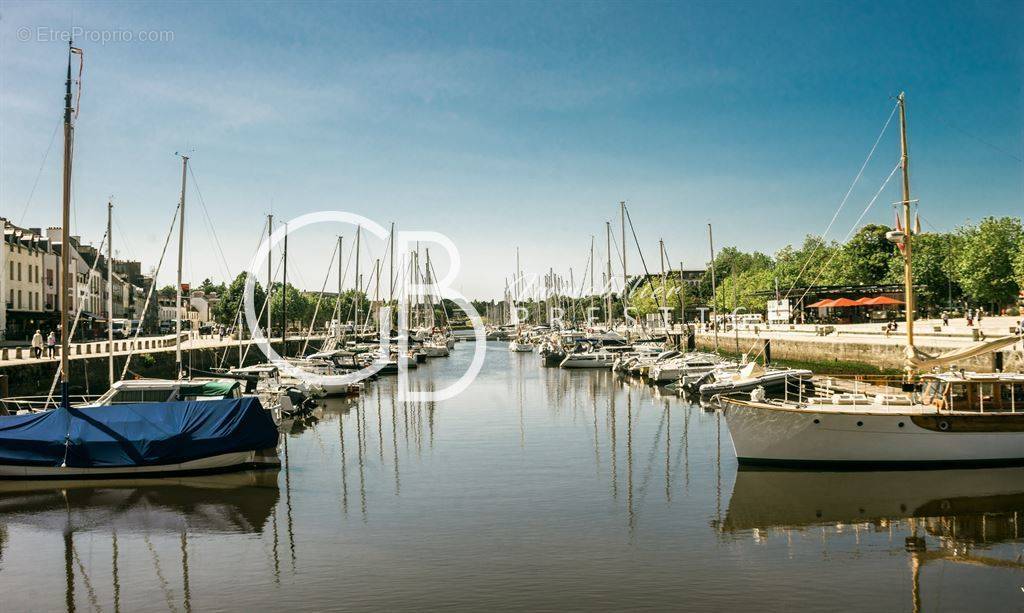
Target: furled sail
x=919, y=360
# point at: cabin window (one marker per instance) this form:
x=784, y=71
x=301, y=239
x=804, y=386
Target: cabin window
x=985, y=396
x=932, y=392
x=1011, y=395
x=129, y=396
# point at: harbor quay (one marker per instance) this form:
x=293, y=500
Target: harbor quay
x=866, y=344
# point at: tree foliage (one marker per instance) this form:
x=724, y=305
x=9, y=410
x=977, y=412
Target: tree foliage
x=984, y=257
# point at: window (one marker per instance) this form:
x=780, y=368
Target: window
x=19, y=271
x=12, y=269
x=19, y=298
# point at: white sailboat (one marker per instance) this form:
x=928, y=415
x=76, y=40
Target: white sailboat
x=951, y=418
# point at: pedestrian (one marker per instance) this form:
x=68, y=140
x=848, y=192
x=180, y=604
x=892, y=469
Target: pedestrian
x=51, y=345
x=945, y=318
x=37, y=345
x=981, y=312
x=969, y=314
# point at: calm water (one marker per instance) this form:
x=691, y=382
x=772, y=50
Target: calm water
x=537, y=488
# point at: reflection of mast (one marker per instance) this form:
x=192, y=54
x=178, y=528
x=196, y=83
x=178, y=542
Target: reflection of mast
x=186, y=591
x=629, y=461
x=612, y=428
x=394, y=438
x=288, y=502
x=380, y=432
x=69, y=570
x=360, y=442
x=668, y=452
x=344, y=470
x=114, y=572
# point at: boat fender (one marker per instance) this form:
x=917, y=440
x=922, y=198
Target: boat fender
x=943, y=425
x=757, y=394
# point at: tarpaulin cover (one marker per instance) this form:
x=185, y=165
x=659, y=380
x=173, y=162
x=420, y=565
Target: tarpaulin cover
x=144, y=434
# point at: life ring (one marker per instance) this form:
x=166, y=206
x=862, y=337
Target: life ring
x=943, y=425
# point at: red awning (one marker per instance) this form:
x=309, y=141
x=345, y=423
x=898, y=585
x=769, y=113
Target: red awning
x=844, y=302
x=883, y=301
x=821, y=304
x=863, y=300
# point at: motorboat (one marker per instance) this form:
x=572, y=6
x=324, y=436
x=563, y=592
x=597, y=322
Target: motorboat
x=752, y=376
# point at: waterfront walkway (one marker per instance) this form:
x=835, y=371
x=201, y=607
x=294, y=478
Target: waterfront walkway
x=18, y=356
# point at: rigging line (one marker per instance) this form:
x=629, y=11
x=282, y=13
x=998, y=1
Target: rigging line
x=149, y=295
x=852, y=229
x=316, y=310
x=237, y=317
x=78, y=314
x=647, y=273
x=981, y=140
x=209, y=223
x=42, y=164
x=846, y=197
x=123, y=236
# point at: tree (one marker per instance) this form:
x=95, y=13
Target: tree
x=1018, y=267
x=208, y=287
x=866, y=258
x=167, y=291
x=298, y=305
x=227, y=307
x=985, y=257
x=932, y=263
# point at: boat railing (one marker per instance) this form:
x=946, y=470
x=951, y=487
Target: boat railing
x=36, y=404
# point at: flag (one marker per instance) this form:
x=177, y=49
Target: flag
x=917, y=223
x=899, y=227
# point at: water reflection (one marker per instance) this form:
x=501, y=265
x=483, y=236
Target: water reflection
x=955, y=516
x=537, y=488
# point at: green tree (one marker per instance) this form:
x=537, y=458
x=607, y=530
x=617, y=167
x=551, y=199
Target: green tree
x=932, y=265
x=866, y=258
x=227, y=307
x=984, y=260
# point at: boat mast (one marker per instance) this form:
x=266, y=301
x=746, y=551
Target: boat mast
x=608, y=294
x=908, y=277
x=65, y=289
x=181, y=254
x=625, y=277
x=284, y=294
x=110, y=294
x=270, y=274
x=391, y=271
x=359, y=284
x=714, y=289
x=337, y=304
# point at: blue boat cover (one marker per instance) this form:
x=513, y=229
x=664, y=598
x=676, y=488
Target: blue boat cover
x=144, y=434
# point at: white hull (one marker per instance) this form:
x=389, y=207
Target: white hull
x=435, y=351
x=223, y=462
x=520, y=347
x=766, y=434
x=573, y=361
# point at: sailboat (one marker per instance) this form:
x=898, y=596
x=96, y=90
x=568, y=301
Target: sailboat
x=162, y=438
x=940, y=418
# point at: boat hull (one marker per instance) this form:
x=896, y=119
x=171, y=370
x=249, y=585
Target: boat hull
x=225, y=462
x=764, y=434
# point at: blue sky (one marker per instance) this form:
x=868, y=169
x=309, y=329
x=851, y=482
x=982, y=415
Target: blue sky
x=505, y=125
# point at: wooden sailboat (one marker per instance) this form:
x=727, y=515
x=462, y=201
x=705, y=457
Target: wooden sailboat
x=941, y=418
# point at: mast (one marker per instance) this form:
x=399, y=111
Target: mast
x=284, y=294
x=591, y=276
x=181, y=254
x=908, y=277
x=714, y=289
x=608, y=295
x=270, y=275
x=391, y=264
x=65, y=289
x=664, y=279
x=625, y=277
x=337, y=304
x=359, y=284
x=110, y=294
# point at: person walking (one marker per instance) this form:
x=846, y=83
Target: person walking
x=51, y=345
x=37, y=345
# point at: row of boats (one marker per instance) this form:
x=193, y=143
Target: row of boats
x=698, y=373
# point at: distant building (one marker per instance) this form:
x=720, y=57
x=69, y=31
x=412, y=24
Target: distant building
x=23, y=264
